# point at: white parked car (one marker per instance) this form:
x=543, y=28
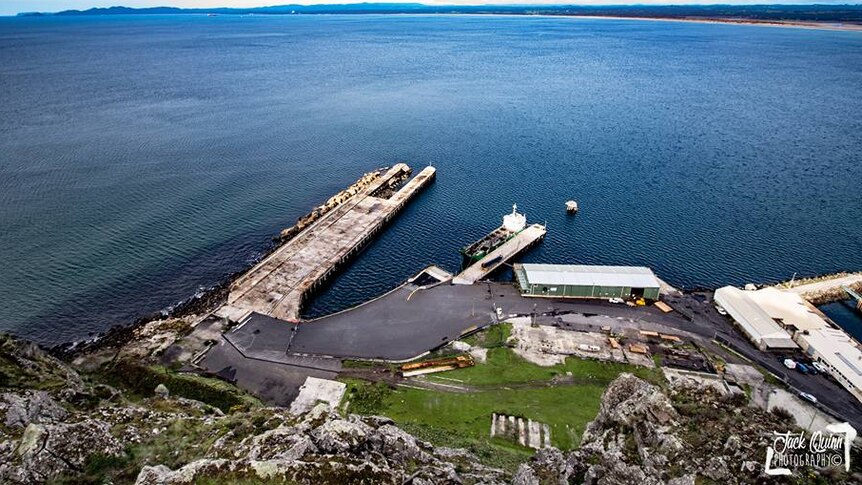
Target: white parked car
x=721, y=311
x=616, y=300
x=820, y=367
x=808, y=397
x=789, y=363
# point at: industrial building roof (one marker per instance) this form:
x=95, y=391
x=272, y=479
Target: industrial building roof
x=839, y=351
x=754, y=320
x=583, y=275
x=789, y=308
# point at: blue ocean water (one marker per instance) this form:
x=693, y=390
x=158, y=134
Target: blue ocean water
x=845, y=314
x=146, y=157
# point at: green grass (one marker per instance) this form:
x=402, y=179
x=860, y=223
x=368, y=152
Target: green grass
x=494, y=336
x=497, y=452
x=504, y=367
x=364, y=397
x=141, y=380
x=505, y=384
x=566, y=409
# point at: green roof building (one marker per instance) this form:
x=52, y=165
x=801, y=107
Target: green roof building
x=581, y=281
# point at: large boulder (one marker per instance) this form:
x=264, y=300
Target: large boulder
x=340, y=436
x=21, y=409
x=46, y=452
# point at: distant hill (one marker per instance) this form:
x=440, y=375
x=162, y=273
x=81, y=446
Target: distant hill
x=765, y=13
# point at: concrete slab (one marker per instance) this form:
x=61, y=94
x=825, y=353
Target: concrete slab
x=743, y=374
x=318, y=390
x=549, y=345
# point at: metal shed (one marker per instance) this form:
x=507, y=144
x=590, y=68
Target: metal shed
x=582, y=281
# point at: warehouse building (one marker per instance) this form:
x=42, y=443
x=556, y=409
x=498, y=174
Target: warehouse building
x=764, y=331
x=809, y=328
x=840, y=354
x=581, y=281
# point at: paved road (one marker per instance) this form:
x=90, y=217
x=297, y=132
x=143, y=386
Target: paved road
x=401, y=325
x=708, y=323
x=273, y=382
x=410, y=321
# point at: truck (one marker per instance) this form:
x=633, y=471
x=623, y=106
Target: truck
x=491, y=262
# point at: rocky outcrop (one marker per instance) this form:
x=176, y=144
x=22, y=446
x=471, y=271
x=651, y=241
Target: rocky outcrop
x=647, y=435
x=322, y=447
x=19, y=410
x=57, y=427
x=46, y=452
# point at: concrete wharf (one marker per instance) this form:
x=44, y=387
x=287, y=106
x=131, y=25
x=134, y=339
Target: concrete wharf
x=280, y=283
x=485, y=266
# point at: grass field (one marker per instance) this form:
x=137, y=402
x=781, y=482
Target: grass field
x=505, y=384
x=504, y=367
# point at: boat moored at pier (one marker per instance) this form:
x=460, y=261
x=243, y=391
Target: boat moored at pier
x=513, y=224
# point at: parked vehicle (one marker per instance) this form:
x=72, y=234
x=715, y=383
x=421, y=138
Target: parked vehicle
x=491, y=262
x=808, y=397
x=820, y=367
x=721, y=311
x=616, y=300
x=789, y=363
x=802, y=368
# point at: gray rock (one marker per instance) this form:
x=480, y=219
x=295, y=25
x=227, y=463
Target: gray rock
x=525, y=476
x=397, y=444
x=30, y=407
x=161, y=391
x=282, y=443
x=683, y=480
x=48, y=451
x=339, y=436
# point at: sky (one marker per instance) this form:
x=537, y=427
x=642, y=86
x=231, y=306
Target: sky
x=11, y=7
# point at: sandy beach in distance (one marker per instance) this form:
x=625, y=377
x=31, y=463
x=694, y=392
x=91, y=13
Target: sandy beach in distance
x=798, y=24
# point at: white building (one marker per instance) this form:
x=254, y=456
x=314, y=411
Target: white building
x=838, y=352
x=754, y=321
x=765, y=310
x=788, y=309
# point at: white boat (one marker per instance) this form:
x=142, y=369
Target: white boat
x=571, y=206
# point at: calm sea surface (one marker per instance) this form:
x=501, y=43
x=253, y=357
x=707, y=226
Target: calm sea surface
x=142, y=158
x=844, y=314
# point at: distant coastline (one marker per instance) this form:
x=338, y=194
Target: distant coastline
x=831, y=17
x=856, y=27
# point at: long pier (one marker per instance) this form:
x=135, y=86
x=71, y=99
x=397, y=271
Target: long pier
x=485, y=266
x=279, y=285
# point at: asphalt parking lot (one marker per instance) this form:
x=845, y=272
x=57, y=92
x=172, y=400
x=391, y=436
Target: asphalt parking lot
x=267, y=356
